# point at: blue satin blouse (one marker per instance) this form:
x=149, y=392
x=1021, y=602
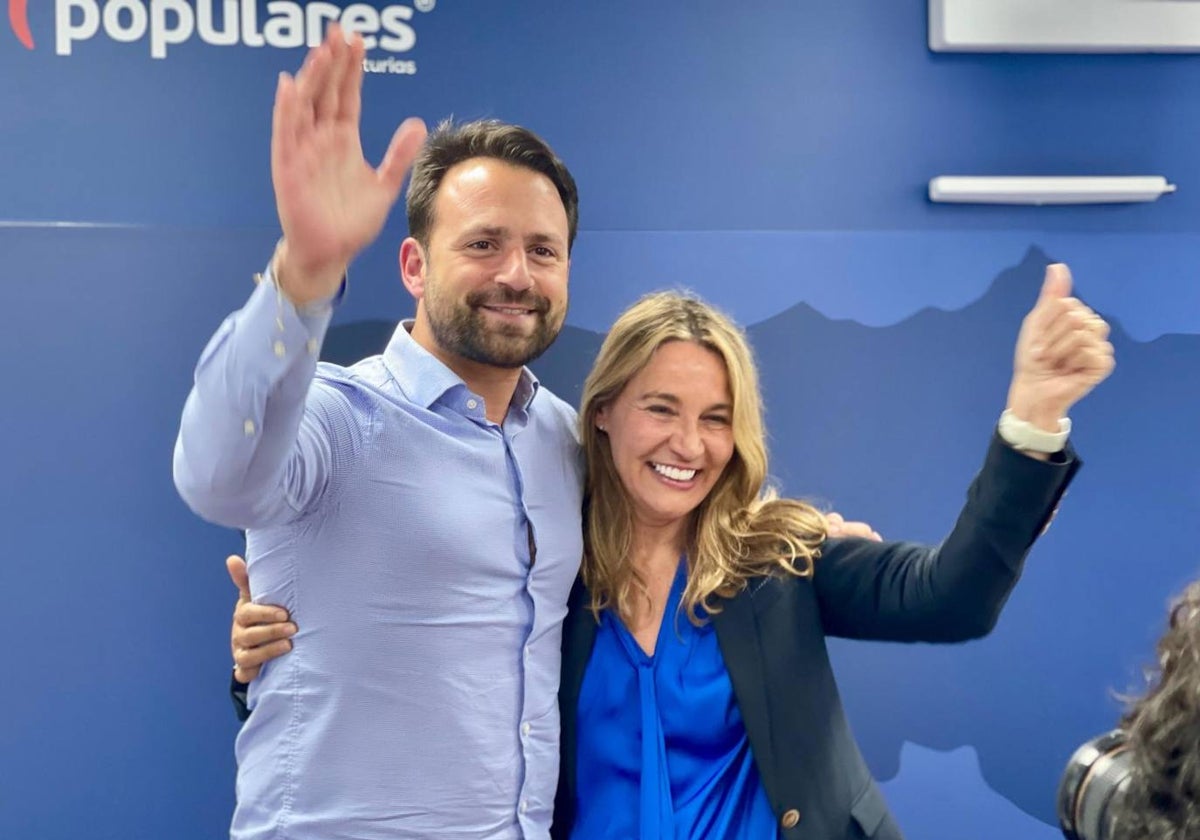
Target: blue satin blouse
x=663, y=752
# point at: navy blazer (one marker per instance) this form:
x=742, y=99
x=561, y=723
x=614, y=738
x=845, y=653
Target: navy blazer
x=772, y=636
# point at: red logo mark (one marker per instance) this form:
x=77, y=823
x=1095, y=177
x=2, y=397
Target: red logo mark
x=20, y=22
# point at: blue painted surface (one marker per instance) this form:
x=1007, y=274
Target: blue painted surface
x=773, y=159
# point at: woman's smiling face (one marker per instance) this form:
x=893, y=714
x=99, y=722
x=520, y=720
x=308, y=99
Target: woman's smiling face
x=670, y=431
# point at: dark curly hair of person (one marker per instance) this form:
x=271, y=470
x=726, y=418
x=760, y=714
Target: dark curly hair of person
x=1163, y=728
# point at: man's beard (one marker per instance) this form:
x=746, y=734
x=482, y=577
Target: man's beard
x=462, y=329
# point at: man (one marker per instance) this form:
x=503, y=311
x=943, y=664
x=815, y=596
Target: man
x=417, y=513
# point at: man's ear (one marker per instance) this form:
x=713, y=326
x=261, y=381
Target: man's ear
x=413, y=265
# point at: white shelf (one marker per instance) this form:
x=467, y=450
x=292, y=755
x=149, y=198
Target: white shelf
x=1064, y=25
x=967, y=189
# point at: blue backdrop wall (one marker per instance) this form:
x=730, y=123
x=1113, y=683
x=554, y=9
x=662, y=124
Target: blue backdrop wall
x=771, y=156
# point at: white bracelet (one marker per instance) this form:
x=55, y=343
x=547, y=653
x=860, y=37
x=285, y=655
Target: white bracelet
x=1026, y=437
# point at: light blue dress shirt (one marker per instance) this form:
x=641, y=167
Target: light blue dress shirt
x=663, y=752
x=395, y=522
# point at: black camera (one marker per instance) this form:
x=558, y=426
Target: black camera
x=1094, y=786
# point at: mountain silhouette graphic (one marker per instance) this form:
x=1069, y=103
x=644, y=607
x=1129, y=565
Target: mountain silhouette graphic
x=966, y=807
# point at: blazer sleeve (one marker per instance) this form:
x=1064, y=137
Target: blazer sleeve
x=902, y=591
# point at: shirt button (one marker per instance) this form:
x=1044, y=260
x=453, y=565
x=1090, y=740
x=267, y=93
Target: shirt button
x=313, y=347
x=472, y=404
x=280, y=350
x=524, y=805
x=525, y=728
x=248, y=428
x=790, y=818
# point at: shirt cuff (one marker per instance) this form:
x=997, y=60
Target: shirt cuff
x=289, y=320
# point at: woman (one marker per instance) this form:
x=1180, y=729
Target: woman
x=697, y=698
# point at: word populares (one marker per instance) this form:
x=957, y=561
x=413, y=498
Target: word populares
x=220, y=23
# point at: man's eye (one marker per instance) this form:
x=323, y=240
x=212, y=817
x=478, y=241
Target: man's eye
x=482, y=245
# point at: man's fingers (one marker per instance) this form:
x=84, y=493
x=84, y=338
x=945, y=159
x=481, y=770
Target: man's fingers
x=406, y=142
x=325, y=104
x=350, y=96
x=859, y=529
x=283, y=121
x=833, y=524
x=310, y=82
x=236, y=567
x=247, y=638
x=255, y=657
x=838, y=526
x=249, y=614
x=245, y=675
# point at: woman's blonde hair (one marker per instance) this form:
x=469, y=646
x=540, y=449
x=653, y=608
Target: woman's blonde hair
x=742, y=529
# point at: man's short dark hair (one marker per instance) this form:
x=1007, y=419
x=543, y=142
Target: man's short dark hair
x=450, y=144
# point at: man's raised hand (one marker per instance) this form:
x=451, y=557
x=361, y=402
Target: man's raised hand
x=331, y=202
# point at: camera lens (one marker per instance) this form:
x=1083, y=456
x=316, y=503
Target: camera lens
x=1093, y=786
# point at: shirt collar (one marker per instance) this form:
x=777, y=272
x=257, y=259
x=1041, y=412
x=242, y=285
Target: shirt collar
x=424, y=379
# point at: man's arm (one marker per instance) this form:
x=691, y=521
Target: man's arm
x=248, y=454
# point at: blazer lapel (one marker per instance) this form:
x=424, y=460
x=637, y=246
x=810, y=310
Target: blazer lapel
x=738, y=636
x=579, y=636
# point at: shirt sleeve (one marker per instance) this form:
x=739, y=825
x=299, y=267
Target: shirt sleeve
x=902, y=591
x=255, y=446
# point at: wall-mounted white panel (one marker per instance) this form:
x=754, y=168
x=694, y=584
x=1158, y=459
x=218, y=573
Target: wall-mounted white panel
x=1064, y=25
x=971, y=189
